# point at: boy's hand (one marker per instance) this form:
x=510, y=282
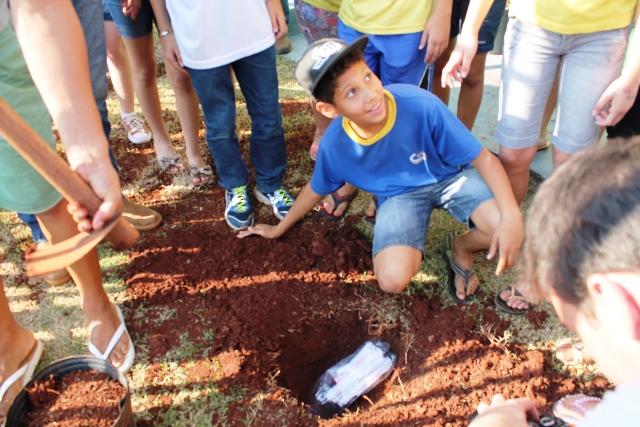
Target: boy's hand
x=264, y=230
x=507, y=238
x=278, y=22
x=459, y=63
x=436, y=38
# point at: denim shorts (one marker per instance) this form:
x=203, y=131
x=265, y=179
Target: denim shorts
x=131, y=28
x=588, y=63
x=489, y=27
x=403, y=220
x=316, y=23
x=106, y=13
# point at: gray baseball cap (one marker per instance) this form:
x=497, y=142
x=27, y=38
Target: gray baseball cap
x=320, y=57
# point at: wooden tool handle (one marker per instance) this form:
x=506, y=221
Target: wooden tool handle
x=55, y=170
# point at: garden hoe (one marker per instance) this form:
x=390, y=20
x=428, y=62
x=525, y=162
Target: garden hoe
x=55, y=170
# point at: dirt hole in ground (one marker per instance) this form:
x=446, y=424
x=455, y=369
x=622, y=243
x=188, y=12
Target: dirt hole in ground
x=307, y=354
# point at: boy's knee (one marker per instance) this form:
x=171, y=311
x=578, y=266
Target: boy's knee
x=393, y=278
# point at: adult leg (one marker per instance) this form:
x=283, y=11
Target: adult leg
x=100, y=313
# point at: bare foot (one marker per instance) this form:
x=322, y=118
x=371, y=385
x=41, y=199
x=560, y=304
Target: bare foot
x=518, y=304
x=465, y=259
x=103, y=324
x=14, y=349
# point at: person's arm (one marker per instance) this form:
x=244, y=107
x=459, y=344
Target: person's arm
x=170, y=49
x=618, y=98
x=52, y=42
x=467, y=45
x=436, y=32
x=505, y=413
x=278, y=21
x=305, y=202
x=509, y=234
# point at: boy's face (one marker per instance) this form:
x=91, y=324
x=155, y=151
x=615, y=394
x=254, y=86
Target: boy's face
x=359, y=97
x=612, y=333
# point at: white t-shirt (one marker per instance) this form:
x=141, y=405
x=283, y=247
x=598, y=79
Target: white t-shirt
x=215, y=33
x=619, y=408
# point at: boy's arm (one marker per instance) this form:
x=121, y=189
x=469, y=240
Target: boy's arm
x=620, y=95
x=305, y=202
x=170, y=49
x=509, y=234
x=467, y=45
x=436, y=32
x=53, y=46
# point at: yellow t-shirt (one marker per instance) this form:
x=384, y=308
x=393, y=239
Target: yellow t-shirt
x=386, y=16
x=575, y=16
x=328, y=5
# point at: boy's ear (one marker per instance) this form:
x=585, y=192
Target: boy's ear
x=616, y=301
x=327, y=109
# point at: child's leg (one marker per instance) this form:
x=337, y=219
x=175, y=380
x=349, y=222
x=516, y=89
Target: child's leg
x=398, y=239
x=101, y=316
x=258, y=79
x=217, y=97
x=15, y=345
x=395, y=266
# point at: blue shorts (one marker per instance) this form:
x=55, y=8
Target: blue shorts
x=106, y=13
x=130, y=28
x=489, y=27
x=404, y=220
x=393, y=58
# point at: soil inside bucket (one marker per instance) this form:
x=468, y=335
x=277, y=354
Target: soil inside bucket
x=78, y=399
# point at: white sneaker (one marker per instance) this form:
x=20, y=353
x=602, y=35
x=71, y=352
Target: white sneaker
x=136, y=130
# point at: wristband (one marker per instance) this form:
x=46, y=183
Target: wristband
x=165, y=32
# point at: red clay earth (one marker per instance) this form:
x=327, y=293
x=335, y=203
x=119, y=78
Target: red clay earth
x=78, y=399
x=283, y=311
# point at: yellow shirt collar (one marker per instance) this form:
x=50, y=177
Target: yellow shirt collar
x=391, y=119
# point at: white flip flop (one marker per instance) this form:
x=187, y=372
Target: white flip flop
x=131, y=353
x=25, y=372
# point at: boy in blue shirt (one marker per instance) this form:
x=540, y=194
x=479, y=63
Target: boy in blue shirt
x=403, y=145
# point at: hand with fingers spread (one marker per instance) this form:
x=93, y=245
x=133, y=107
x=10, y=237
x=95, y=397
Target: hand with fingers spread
x=614, y=103
x=278, y=21
x=507, y=413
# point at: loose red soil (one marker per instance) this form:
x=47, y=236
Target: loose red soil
x=283, y=311
x=78, y=399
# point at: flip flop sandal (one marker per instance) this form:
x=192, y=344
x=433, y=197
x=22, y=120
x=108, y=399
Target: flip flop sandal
x=167, y=162
x=205, y=175
x=337, y=201
x=24, y=373
x=453, y=269
x=573, y=408
x=501, y=305
x=131, y=353
x=372, y=219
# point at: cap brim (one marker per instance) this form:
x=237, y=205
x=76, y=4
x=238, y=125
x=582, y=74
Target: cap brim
x=358, y=44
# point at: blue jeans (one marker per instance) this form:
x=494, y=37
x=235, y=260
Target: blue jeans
x=258, y=81
x=92, y=21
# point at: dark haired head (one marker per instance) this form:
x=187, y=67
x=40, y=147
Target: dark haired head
x=326, y=87
x=585, y=219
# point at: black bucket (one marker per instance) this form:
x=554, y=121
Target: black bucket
x=62, y=367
